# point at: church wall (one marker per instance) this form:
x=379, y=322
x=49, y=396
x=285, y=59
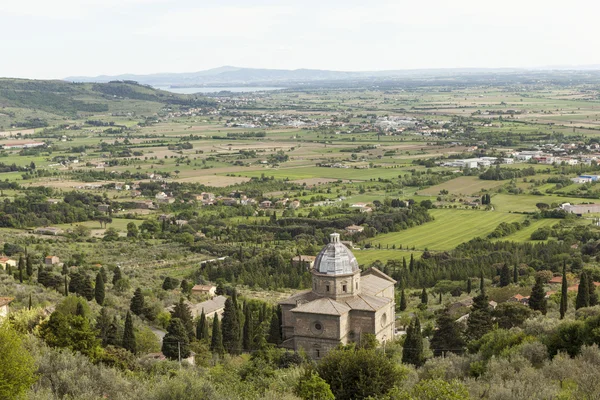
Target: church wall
x=304, y=325
x=361, y=322
x=385, y=322
x=287, y=320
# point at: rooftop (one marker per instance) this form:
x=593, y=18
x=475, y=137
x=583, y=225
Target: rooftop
x=335, y=258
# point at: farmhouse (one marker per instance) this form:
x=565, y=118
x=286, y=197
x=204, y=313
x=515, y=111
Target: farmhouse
x=103, y=207
x=581, y=209
x=4, y=302
x=6, y=262
x=305, y=261
x=265, y=204
x=48, y=230
x=343, y=304
x=352, y=229
x=517, y=298
x=212, y=307
x=204, y=289
x=51, y=260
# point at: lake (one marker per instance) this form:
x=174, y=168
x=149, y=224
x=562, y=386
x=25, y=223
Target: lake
x=237, y=89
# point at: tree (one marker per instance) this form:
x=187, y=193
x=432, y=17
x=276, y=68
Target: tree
x=132, y=230
x=583, y=292
x=248, y=331
x=21, y=268
x=216, y=341
x=537, y=299
x=176, y=343
x=70, y=331
x=411, y=265
x=412, y=351
x=99, y=289
x=137, y=302
x=593, y=296
x=516, y=274
x=510, y=315
x=111, y=235
x=481, y=283
x=564, y=299
x=469, y=285
x=274, y=329
x=81, y=284
x=434, y=389
x=504, y=276
x=231, y=328
x=18, y=366
x=129, y=342
x=182, y=311
x=403, y=303
x=359, y=374
x=480, y=318
x=424, y=298
x=116, y=275
x=185, y=286
x=103, y=322
x=447, y=337
x=311, y=386
x=29, y=265
x=202, y=327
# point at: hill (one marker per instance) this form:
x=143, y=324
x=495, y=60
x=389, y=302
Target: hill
x=228, y=75
x=37, y=103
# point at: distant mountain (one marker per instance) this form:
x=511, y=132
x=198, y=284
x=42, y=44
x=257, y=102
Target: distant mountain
x=228, y=75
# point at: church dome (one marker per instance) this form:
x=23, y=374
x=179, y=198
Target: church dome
x=336, y=258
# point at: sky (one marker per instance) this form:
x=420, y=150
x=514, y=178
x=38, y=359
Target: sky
x=45, y=39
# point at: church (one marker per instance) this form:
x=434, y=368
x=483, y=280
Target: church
x=342, y=305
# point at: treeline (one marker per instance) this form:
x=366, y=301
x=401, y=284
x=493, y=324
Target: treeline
x=498, y=174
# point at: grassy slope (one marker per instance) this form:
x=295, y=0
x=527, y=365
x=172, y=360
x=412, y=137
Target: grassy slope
x=450, y=228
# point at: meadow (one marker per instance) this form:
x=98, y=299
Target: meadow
x=449, y=229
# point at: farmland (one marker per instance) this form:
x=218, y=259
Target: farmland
x=450, y=228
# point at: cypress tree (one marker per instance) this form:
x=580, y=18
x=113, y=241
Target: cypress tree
x=30, y=303
x=404, y=267
x=424, y=297
x=248, y=331
x=516, y=274
x=564, y=299
x=411, y=266
x=440, y=299
x=185, y=286
x=481, y=283
x=593, y=295
x=583, y=292
x=447, y=337
x=103, y=273
x=216, y=343
x=403, y=303
x=137, y=302
x=66, y=293
x=176, y=342
x=469, y=286
x=231, y=328
x=79, y=309
x=112, y=334
x=103, y=325
x=182, y=311
x=129, y=342
x=29, y=265
x=99, y=289
x=504, y=276
x=21, y=268
x=65, y=269
x=537, y=300
x=480, y=318
x=274, y=329
x=116, y=275
x=412, y=352
x=202, y=327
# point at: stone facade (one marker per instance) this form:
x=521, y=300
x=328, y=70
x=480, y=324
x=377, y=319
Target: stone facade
x=342, y=305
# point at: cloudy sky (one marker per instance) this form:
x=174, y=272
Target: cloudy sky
x=59, y=38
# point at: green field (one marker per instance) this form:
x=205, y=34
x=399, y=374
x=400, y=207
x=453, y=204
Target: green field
x=450, y=228
x=368, y=256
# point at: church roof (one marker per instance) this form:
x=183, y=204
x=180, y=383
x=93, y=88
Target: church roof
x=323, y=305
x=336, y=258
x=366, y=302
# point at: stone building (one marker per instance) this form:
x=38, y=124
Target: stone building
x=342, y=305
